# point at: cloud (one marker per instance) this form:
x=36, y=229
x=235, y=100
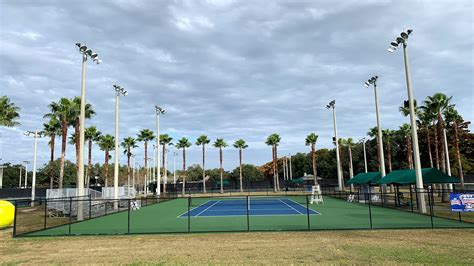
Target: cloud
x=231, y=69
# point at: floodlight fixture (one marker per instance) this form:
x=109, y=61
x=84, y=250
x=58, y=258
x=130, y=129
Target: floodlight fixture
x=120, y=90
x=159, y=110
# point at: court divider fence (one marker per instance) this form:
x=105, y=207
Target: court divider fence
x=280, y=211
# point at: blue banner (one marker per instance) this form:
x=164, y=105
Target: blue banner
x=462, y=202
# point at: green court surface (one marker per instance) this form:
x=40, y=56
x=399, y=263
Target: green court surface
x=334, y=214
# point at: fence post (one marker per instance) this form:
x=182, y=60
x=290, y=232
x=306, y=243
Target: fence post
x=248, y=216
x=460, y=217
x=45, y=211
x=307, y=211
x=70, y=214
x=189, y=214
x=370, y=209
x=15, y=218
x=128, y=225
x=411, y=199
x=431, y=205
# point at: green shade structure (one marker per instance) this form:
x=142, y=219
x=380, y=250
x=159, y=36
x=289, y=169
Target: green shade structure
x=296, y=181
x=430, y=176
x=365, y=178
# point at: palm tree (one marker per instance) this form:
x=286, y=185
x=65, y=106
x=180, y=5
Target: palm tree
x=220, y=143
x=146, y=135
x=453, y=118
x=165, y=140
x=349, y=143
x=8, y=112
x=128, y=144
x=91, y=134
x=273, y=140
x=183, y=143
x=240, y=144
x=203, y=140
x=437, y=104
x=75, y=122
x=106, y=144
x=52, y=129
x=425, y=118
x=405, y=130
x=311, y=140
x=62, y=110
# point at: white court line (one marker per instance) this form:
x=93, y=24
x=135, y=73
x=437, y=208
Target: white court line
x=316, y=212
x=207, y=208
x=291, y=207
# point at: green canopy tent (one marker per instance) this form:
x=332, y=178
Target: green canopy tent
x=365, y=178
x=296, y=181
x=430, y=176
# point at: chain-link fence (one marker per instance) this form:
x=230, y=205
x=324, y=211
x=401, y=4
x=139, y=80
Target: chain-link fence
x=270, y=211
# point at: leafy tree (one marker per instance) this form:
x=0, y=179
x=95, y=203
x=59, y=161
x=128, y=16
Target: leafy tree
x=240, y=144
x=8, y=112
x=202, y=141
x=248, y=171
x=220, y=143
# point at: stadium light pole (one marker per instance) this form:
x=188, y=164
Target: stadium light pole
x=119, y=91
x=365, y=154
x=1, y=173
x=35, y=135
x=26, y=172
x=332, y=105
x=403, y=40
x=291, y=171
x=159, y=111
x=373, y=81
x=175, y=153
x=19, y=183
x=133, y=171
x=86, y=53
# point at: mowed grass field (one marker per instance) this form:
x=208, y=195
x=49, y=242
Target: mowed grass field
x=426, y=246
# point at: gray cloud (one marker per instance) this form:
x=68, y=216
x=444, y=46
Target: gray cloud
x=231, y=69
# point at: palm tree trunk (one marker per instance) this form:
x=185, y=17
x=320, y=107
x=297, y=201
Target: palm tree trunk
x=409, y=152
x=129, y=154
x=313, y=157
x=146, y=168
x=63, y=152
x=441, y=142
x=163, y=163
x=458, y=153
x=204, y=167
x=184, y=170
x=51, y=163
x=351, y=170
x=89, y=164
x=220, y=159
x=274, y=174
x=428, y=141
x=106, y=166
x=240, y=163
x=276, y=169
x=436, y=145
x=76, y=140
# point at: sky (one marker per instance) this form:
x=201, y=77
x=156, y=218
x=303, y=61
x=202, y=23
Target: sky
x=230, y=69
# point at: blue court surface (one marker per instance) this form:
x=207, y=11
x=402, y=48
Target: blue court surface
x=253, y=207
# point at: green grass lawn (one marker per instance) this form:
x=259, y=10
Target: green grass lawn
x=334, y=214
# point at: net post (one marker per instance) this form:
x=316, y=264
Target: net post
x=70, y=214
x=15, y=218
x=45, y=211
x=307, y=212
x=370, y=209
x=189, y=214
x=248, y=210
x=411, y=198
x=128, y=222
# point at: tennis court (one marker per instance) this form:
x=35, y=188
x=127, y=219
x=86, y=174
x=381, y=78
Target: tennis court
x=249, y=206
x=218, y=214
